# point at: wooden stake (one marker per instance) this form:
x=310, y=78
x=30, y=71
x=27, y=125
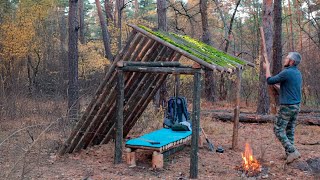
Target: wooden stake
x=236, y=110
x=157, y=160
x=131, y=157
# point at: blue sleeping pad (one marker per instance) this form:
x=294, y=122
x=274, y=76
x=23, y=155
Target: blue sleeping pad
x=158, y=138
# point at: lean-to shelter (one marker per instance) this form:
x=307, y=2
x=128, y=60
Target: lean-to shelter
x=97, y=123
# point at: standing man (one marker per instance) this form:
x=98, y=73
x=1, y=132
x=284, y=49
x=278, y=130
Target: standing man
x=290, y=80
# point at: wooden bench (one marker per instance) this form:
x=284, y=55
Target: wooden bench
x=159, y=141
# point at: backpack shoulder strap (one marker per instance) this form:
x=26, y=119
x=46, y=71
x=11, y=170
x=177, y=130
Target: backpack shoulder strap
x=185, y=108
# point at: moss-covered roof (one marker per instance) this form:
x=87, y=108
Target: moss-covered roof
x=199, y=49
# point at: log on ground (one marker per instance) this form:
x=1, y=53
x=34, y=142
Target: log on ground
x=255, y=118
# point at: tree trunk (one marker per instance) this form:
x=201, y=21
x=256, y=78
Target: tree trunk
x=291, y=41
x=230, y=26
x=63, y=49
x=162, y=15
x=161, y=95
x=108, y=8
x=298, y=13
x=217, y=3
x=136, y=8
x=206, y=38
x=105, y=34
x=277, y=43
x=227, y=32
x=81, y=20
x=119, y=6
x=263, y=99
x=222, y=88
x=73, y=85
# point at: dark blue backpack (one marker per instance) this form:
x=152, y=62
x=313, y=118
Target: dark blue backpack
x=177, y=116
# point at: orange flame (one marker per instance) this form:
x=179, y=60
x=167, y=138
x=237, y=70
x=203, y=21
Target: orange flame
x=250, y=164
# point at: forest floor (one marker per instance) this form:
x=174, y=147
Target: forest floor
x=97, y=162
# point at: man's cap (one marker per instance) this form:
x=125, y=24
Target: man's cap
x=295, y=56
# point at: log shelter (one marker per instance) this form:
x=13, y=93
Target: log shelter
x=134, y=77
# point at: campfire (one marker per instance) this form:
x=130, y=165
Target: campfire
x=250, y=165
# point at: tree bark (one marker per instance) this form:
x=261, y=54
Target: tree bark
x=217, y=3
x=209, y=87
x=81, y=20
x=105, y=33
x=161, y=95
x=277, y=42
x=119, y=6
x=108, y=8
x=231, y=25
x=162, y=15
x=73, y=85
x=291, y=41
x=136, y=8
x=63, y=44
x=263, y=99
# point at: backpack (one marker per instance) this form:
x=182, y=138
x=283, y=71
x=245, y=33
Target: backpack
x=177, y=116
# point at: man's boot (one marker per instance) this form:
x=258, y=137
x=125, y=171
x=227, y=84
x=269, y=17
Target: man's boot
x=293, y=156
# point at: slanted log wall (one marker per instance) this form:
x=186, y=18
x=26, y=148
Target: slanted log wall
x=98, y=121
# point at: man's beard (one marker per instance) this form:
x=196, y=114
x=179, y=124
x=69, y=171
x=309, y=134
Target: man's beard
x=286, y=65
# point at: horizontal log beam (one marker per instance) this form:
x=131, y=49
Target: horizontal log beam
x=148, y=64
x=163, y=70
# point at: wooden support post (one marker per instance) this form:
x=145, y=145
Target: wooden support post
x=131, y=157
x=236, y=110
x=157, y=160
x=195, y=126
x=119, y=119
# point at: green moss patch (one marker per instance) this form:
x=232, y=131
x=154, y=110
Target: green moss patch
x=199, y=49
